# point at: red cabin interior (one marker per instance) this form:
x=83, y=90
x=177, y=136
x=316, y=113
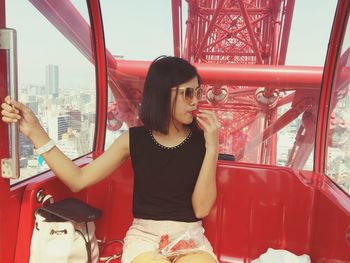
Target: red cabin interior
x=257, y=208
x=259, y=205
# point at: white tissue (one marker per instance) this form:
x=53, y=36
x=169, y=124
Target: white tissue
x=281, y=256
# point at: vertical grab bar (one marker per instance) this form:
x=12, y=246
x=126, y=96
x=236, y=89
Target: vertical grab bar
x=8, y=42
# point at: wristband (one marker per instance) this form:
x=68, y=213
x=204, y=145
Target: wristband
x=45, y=148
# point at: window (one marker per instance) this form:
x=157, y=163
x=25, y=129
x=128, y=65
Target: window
x=56, y=76
x=267, y=124
x=132, y=34
x=338, y=138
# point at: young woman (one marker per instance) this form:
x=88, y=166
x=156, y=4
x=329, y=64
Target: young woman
x=174, y=162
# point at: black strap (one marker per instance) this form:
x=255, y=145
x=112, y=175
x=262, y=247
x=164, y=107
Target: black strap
x=87, y=242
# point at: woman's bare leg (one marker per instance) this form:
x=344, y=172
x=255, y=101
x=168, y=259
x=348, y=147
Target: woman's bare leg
x=150, y=257
x=201, y=257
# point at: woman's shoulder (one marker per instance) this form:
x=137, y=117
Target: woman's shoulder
x=138, y=128
x=137, y=139
x=138, y=132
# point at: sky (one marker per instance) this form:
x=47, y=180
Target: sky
x=139, y=29
x=311, y=26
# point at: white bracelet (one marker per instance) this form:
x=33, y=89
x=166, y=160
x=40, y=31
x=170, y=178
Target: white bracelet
x=45, y=148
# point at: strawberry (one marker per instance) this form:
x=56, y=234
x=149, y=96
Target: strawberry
x=191, y=243
x=164, y=241
x=181, y=244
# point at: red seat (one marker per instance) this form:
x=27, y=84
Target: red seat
x=257, y=207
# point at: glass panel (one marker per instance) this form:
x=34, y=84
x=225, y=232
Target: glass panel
x=137, y=29
x=275, y=124
x=307, y=46
x=56, y=76
x=263, y=123
x=133, y=34
x=338, y=164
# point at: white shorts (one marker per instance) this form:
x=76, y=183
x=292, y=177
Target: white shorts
x=144, y=236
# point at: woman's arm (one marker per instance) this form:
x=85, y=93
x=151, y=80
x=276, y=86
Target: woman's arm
x=74, y=177
x=204, y=193
x=77, y=178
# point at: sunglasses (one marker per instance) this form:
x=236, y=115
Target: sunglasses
x=189, y=93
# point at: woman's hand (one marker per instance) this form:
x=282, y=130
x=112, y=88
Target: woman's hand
x=16, y=112
x=211, y=127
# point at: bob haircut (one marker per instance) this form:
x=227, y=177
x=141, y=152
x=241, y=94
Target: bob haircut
x=164, y=73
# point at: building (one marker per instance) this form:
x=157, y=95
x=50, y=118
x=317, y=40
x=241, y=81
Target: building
x=52, y=80
x=74, y=120
x=58, y=125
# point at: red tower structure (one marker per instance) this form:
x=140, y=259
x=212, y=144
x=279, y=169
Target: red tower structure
x=245, y=33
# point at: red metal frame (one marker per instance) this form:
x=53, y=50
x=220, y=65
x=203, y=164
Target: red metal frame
x=176, y=6
x=286, y=26
x=289, y=77
x=101, y=75
x=7, y=225
x=238, y=32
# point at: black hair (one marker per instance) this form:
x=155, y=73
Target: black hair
x=164, y=73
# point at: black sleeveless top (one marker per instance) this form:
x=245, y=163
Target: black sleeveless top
x=164, y=177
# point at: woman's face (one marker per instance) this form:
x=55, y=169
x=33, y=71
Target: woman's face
x=184, y=107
